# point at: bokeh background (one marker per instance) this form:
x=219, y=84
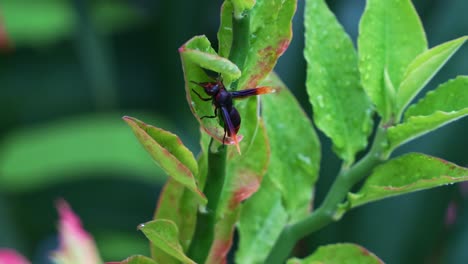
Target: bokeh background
x=70, y=69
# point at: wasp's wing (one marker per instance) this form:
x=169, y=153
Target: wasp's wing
x=229, y=127
x=253, y=91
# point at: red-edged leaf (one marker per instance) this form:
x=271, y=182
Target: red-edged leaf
x=271, y=32
x=178, y=204
x=169, y=152
x=196, y=55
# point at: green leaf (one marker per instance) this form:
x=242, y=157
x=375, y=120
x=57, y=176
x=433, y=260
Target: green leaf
x=417, y=126
x=408, y=173
x=423, y=68
x=449, y=97
x=169, y=152
x=136, y=260
x=270, y=35
x=33, y=157
x=339, y=253
x=390, y=37
x=293, y=167
x=285, y=194
x=341, y=108
x=262, y=218
x=179, y=205
x=197, y=54
x=445, y=104
x=165, y=235
x=241, y=6
x=244, y=174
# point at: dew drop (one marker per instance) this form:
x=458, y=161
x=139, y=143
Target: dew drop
x=304, y=158
x=320, y=101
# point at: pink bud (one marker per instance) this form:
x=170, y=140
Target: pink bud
x=76, y=245
x=10, y=256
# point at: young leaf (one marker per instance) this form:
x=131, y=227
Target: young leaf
x=449, y=97
x=341, y=108
x=197, y=55
x=423, y=68
x=179, y=205
x=408, y=173
x=244, y=174
x=416, y=126
x=136, y=260
x=169, y=152
x=390, y=37
x=445, y=104
x=270, y=35
x=285, y=194
x=165, y=235
x=339, y=253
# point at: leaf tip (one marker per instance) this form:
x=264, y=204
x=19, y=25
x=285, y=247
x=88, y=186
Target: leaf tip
x=128, y=119
x=141, y=226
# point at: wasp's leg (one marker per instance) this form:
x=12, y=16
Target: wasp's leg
x=199, y=96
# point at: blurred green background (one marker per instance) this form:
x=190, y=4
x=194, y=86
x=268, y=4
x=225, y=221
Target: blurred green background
x=70, y=69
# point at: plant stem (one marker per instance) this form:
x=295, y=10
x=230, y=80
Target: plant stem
x=206, y=219
x=240, y=41
x=329, y=210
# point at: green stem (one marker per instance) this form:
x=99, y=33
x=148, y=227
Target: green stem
x=206, y=219
x=240, y=42
x=329, y=209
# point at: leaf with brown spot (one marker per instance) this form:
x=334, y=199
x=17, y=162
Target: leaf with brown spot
x=271, y=33
x=170, y=154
